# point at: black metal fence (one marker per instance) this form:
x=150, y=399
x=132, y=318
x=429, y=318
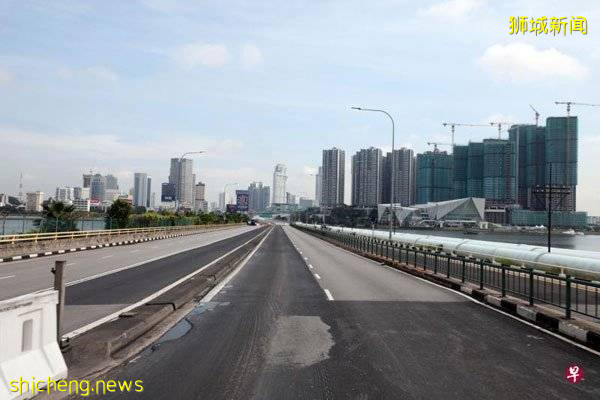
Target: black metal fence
x=566, y=292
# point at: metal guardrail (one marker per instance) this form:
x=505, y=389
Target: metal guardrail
x=36, y=237
x=573, y=295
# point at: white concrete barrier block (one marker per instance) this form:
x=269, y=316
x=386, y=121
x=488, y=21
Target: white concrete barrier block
x=527, y=313
x=28, y=347
x=572, y=331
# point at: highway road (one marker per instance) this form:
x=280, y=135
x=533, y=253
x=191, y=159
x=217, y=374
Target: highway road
x=26, y=276
x=319, y=322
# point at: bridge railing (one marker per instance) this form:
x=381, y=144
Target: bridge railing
x=36, y=237
x=566, y=292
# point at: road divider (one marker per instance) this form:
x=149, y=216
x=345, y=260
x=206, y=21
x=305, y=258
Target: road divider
x=28, y=346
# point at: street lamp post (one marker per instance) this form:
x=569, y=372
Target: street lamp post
x=393, y=174
x=225, y=194
x=177, y=191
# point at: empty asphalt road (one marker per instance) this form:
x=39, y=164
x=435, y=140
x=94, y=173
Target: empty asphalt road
x=348, y=328
x=26, y=276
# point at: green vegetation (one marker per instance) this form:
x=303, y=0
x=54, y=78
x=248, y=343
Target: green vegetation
x=58, y=217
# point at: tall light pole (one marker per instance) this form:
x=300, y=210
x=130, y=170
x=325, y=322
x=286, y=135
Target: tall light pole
x=177, y=191
x=225, y=193
x=391, y=218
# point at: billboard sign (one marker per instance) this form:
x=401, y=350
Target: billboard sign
x=242, y=200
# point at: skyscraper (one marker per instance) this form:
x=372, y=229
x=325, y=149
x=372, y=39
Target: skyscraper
x=318, y=187
x=167, y=192
x=279, y=180
x=87, y=180
x=434, y=176
x=404, y=182
x=259, y=196
x=366, y=177
x=149, y=192
x=97, y=188
x=140, y=189
x=333, y=177
x=181, y=175
x=112, y=183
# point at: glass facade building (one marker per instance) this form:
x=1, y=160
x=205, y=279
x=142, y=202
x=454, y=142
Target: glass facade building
x=498, y=170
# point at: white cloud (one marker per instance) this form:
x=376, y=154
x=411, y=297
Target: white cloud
x=5, y=77
x=192, y=55
x=109, y=146
x=251, y=56
x=451, y=9
x=520, y=62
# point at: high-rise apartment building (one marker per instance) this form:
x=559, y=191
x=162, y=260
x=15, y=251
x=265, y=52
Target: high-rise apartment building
x=333, y=177
x=318, y=186
x=200, y=203
x=404, y=182
x=561, y=159
x=279, y=181
x=475, y=170
x=81, y=193
x=434, y=176
x=182, y=177
x=366, y=177
x=65, y=194
x=140, y=189
x=149, y=193
x=546, y=156
x=259, y=196
x=34, y=201
x=499, y=183
x=460, y=155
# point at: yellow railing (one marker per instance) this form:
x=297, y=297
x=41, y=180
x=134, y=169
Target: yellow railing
x=36, y=237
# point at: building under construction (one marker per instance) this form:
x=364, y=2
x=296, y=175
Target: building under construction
x=434, y=176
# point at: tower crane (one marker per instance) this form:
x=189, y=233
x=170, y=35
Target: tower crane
x=453, y=126
x=572, y=103
x=436, y=144
x=537, y=114
x=499, y=124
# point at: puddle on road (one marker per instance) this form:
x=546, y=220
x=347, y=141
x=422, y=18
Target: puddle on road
x=180, y=329
x=183, y=327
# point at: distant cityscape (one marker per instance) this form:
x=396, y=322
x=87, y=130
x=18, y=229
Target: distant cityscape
x=499, y=181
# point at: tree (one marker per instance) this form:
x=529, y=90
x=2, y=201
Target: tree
x=118, y=213
x=58, y=216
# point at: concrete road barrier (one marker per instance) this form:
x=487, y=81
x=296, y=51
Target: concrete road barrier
x=28, y=347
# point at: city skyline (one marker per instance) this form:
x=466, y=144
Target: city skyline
x=138, y=111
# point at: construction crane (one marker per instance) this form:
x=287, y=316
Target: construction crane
x=499, y=124
x=537, y=114
x=436, y=144
x=572, y=103
x=453, y=126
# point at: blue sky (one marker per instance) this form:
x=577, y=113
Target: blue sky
x=122, y=86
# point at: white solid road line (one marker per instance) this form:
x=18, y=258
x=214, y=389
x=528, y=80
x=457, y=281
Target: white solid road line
x=328, y=294
x=145, y=300
x=6, y=277
x=108, y=256
x=134, y=251
x=317, y=276
x=71, y=263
